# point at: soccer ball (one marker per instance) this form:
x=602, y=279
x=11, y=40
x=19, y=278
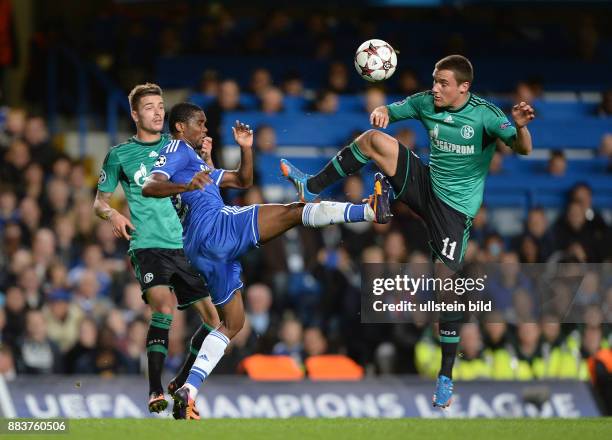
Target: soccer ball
x=375, y=60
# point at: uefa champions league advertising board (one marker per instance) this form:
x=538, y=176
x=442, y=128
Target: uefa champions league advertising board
x=242, y=398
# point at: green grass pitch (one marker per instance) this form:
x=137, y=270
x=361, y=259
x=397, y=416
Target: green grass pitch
x=335, y=429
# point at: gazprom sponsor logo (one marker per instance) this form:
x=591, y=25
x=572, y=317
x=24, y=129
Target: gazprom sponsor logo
x=452, y=148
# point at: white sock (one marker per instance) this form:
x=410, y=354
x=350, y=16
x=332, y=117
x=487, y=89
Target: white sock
x=210, y=353
x=316, y=215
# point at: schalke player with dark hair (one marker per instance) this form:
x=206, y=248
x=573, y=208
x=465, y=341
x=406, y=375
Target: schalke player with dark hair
x=447, y=193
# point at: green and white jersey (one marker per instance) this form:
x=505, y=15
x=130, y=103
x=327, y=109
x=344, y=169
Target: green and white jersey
x=155, y=220
x=462, y=144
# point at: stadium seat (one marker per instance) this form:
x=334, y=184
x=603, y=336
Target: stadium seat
x=333, y=367
x=271, y=368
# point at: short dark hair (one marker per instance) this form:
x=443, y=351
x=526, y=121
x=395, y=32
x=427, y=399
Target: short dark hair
x=459, y=65
x=142, y=90
x=182, y=112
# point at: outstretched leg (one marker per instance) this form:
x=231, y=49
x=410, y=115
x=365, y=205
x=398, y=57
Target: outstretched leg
x=373, y=145
x=274, y=220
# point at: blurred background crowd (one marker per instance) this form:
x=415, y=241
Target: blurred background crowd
x=69, y=300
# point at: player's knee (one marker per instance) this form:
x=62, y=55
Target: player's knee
x=161, y=304
x=293, y=211
x=367, y=141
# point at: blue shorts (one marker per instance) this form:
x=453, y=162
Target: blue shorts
x=233, y=231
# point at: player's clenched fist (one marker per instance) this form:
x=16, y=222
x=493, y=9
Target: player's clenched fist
x=380, y=117
x=199, y=180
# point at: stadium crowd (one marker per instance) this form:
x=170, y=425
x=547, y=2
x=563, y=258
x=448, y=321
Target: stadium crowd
x=69, y=300
x=71, y=304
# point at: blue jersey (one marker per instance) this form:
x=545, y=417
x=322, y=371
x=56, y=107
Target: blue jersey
x=214, y=235
x=180, y=162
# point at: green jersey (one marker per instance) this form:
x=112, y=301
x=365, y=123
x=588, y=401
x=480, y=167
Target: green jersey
x=462, y=144
x=155, y=220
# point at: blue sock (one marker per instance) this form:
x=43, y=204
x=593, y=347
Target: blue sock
x=354, y=213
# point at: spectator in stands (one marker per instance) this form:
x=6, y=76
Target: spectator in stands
x=67, y=249
x=571, y=228
x=497, y=340
x=136, y=339
x=34, y=181
x=265, y=139
x=228, y=100
x=605, y=107
x=92, y=260
x=506, y=280
x=87, y=296
x=290, y=339
x=15, y=312
x=57, y=196
x=8, y=207
x=523, y=307
x=480, y=226
x=105, y=360
x=271, y=100
x=315, y=343
x=113, y=250
x=209, y=84
x=261, y=81
x=374, y=97
x=591, y=343
x=595, y=223
x=326, y=102
x=528, y=90
x=493, y=248
x=537, y=229
x=471, y=363
x=293, y=84
x=132, y=304
x=78, y=180
x=338, y=79
x=605, y=149
x=14, y=164
x=84, y=347
x=63, y=319
x=56, y=278
x=530, y=364
x=36, y=135
x=264, y=322
x=395, y=248
x=30, y=284
x=43, y=250
x=14, y=126
x=406, y=137
x=408, y=83
x=170, y=42
x=61, y=167
x=557, y=164
x=36, y=353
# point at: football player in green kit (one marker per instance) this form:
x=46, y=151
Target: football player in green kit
x=463, y=129
x=156, y=239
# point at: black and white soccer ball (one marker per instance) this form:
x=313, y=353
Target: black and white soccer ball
x=375, y=60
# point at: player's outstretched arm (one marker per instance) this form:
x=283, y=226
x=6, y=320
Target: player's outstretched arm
x=157, y=185
x=522, y=114
x=241, y=178
x=103, y=210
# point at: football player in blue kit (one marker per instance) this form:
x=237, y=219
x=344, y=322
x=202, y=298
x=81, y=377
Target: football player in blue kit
x=215, y=235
